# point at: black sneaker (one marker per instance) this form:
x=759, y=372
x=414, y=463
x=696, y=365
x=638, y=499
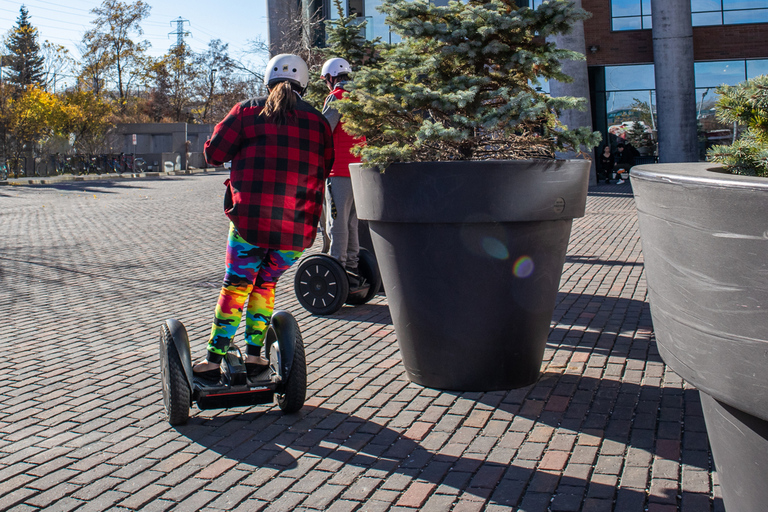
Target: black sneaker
x=356, y=281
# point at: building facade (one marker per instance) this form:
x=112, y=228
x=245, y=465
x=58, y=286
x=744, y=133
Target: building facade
x=728, y=39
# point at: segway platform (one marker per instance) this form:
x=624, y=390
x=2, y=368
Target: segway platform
x=284, y=381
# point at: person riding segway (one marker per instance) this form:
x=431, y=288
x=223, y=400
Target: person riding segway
x=281, y=150
x=323, y=285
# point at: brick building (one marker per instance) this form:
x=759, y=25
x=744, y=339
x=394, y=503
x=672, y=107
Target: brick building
x=729, y=45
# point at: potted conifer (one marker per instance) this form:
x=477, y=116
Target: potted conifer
x=704, y=231
x=469, y=211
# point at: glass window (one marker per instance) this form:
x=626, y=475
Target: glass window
x=629, y=99
x=703, y=19
x=741, y=17
x=622, y=78
x=636, y=14
x=647, y=22
x=626, y=8
x=705, y=5
x=630, y=14
x=712, y=74
x=757, y=68
x=627, y=23
x=744, y=4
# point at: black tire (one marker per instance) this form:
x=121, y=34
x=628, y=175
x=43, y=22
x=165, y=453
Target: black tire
x=367, y=267
x=292, y=393
x=177, y=397
x=321, y=285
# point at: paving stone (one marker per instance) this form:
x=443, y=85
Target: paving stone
x=606, y=421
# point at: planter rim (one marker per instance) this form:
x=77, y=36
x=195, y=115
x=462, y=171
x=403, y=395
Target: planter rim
x=707, y=174
x=473, y=191
x=527, y=161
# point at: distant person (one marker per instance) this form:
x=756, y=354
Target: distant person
x=605, y=164
x=340, y=214
x=625, y=158
x=281, y=150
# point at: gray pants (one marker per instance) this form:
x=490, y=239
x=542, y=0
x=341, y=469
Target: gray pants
x=342, y=227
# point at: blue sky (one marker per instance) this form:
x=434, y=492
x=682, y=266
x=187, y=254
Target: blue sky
x=65, y=22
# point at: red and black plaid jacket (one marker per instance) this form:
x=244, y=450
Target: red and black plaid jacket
x=275, y=191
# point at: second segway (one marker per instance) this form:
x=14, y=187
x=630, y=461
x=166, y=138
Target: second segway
x=322, y=286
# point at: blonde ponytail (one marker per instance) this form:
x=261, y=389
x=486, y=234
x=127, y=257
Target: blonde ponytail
x=280, y=103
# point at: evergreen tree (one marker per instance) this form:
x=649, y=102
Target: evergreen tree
x=461, y=84
x=26, y=60
x=746, y=104
x=345, y=38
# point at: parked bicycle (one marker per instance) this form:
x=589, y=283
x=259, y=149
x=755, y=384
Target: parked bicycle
x=3, y=172
x=15, y=167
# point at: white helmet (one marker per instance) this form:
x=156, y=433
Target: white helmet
x=335, y=67
x=286, y=67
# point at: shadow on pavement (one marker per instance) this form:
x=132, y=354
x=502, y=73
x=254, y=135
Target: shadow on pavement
x=334, y=441
x=646, y=419
x=594, y=260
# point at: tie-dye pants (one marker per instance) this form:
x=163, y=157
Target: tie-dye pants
x=251, y=275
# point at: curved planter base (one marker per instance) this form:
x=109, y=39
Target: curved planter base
x=704, y=244
x=471, y=255
x=740, y=448
x=447, y=339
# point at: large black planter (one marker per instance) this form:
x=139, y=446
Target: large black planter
x=471, y=255
x=705, y=245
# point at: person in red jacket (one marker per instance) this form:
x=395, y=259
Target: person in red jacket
x=340, y=213
x=281, y=149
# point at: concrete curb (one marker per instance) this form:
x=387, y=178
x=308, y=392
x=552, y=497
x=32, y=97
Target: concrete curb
x=50, y=180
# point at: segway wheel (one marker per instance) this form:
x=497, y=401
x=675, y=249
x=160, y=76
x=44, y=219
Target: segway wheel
x=292, y=392
x=321, y=285
x=177, y=397
x=368, y=268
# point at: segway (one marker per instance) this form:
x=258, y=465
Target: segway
x=283, y=381
x=322, y=287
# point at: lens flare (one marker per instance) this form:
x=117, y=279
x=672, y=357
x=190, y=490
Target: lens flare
x=495, y=248
x=523, y=267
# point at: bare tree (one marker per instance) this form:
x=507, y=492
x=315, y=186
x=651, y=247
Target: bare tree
x=58, y=64
x=111, y=42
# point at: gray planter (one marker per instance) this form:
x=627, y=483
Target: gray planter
x=705, y=244
x=471, y=255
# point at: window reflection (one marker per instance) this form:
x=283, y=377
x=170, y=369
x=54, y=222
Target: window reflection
x=639, y=76
x=705, y=5
x=757, y=68
x=702, y=19
x=636, y=14
x=712, y=74
x=626, y=8
x=744, y=4
x=741, y=17
x=629, y=97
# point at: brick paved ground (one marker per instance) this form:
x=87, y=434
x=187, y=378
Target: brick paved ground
x=89, y=271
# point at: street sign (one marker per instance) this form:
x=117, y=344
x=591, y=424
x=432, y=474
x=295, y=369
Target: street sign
x=134, y=139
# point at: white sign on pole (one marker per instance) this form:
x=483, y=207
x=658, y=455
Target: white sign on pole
x=134, y=139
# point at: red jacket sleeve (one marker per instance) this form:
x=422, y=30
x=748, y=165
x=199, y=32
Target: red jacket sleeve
x=330, y=152
x=226, y=139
